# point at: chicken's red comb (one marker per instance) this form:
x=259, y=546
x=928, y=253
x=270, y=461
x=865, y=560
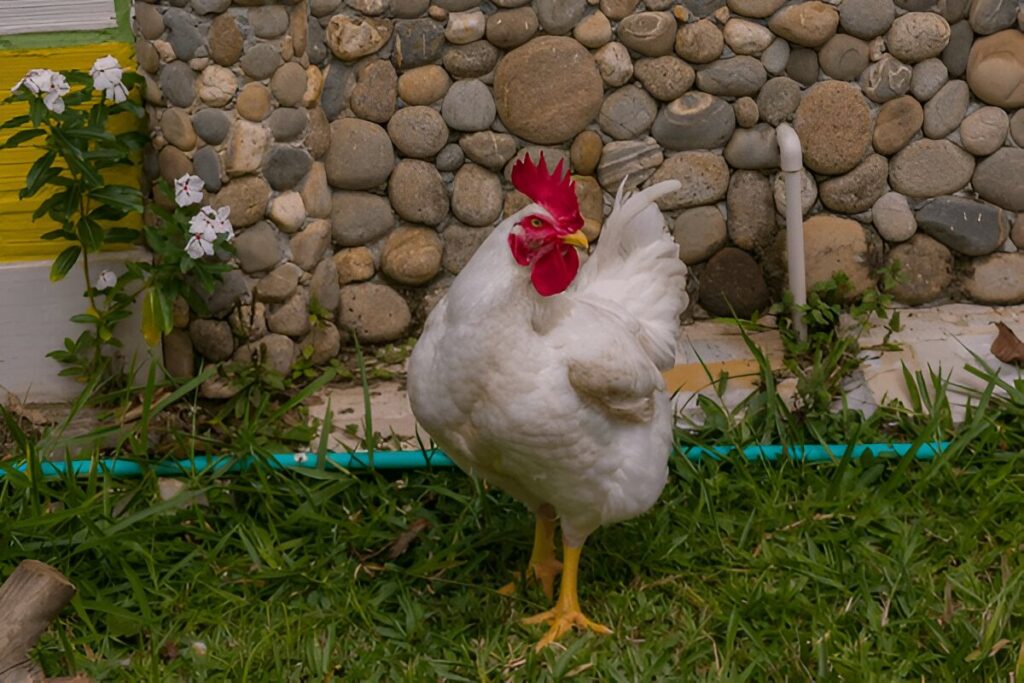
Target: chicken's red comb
x=553, y=191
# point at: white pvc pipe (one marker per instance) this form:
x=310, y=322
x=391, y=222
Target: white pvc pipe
x=792, y=165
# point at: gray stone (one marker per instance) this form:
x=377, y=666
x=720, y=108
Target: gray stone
x=732, y=284
x=750, y=210
x=509, y=29
x=746, y=112
x=997, y=279
x=945, y=111
x=417, y=42
x=148, y=57
x=893, y=218
x=704, y=177
x=247, y=198
x=289, y=84
x=269, y=21
x=257, y=248
x=207, y=6
x=866, y=18
x=418, y=132
x=802, y=66
x=617, y=9
x=149, y=21
x=287, y=123
x=700, y=232
x=358, y=218
x=696, y=120
x=211, y=125
x=759, y=9
x=776, y=57
x=844, y=57
x=998, y=177
x=226, y=294
x=338, y=83
x=472, y=60
x=928, y=77
x=925, y=270
x=308, y=246
x=274, y=352
x=964, y=225
x=631, y=160
x=958, y=50
x=857, y=190
x=460, y=243
x=652, y=34
x=323, y=342
x=178, y=356
x=627, y=113
x=323, y=286
x=468, y=106
x=489, y=149
x=733, y=77
x=746, y=37
x=316, y=48
x=207, y=166
x=614, y=64
x=558, y=17
x=373, y=96
x=450, y=158
x=417, y=192
x=778, y=100
x=182, y=34
x=261, y=61
x=989, y=16
x=177, y=82
x=983, y=131
x=916, y=36
x=666, y=78
x=279, y=284
x=360, y=156
x=808, y=193
x=886, y=79
x=476, y=196
x=286, y=166
x=930, y=168
x=412, y=256
x=753, y=148
x=374, y=312
x=212, y=338
x=225, y=40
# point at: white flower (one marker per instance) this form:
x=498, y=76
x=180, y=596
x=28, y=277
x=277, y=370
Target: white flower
x=188, y=190
x=105, y=280
x=50, y=84
x=211, y=223
x=106, y=75
x=197, y=247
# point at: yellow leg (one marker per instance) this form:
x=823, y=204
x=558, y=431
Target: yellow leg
x=566, y=612
x=544, y=566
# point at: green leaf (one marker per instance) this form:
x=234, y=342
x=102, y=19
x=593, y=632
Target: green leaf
x=16, y=122
x=90, y=233
x=22, y=136
x=37, y=174
x=123, y=235
x=54, y=235
x=156, y=316
x=63, y=263
x=123, y=197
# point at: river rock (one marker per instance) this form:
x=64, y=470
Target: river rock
x=476, y=196
x=254, y=102
x=945, y=111
x=212, y=125
x=983, y=131
x=216, y=87
x=930, y=168
x=509, y=29
x=548, y=90
x=928, y=77
x=700, y=232
x=279, y=284
x=460, y=243
x=886, y=79
x=750, y=210
x=844, y=57
x=417, y=42
x=925, y=270
x=893, y=217
x=704, y=177
x=287, y=123
x=558, y=17
x=753, y=148
x=700, y=42
x=998, y=178
x=732, y=284
x=631, y=160
x=857, y=190
x=246, y=197
x=593, y=31
x=373, y=96
x=418, y=132
x=308, y=246
x=614, y=64
x=957, y=52
x=358, y=218
x=489, y=149
x=666, y=78
x=989, y=16
x=257, y=248
x=733, y=77
x=627, y=113
x=866, y=19
x=286, y=166
x=916, y=36
x=833, y=244
x=897, y=123
x=465, y=27
x=261, y=61
x=475, y=60
x=212, y=338
x=246, y=147
x=412, y=256
x=758, y=9
x=696, y=120
x=354, y=265
x=287, y=211
x=423, y=85
x=997, y=279
x=834, y=125
x=746, y=112
x=360, y=155
x=468, y=106
x=995, y=69
x=225, y=39
x=746, y=37
x=350, y=38
x=809, y=24
x=808, y=193
x=652, y=34
x=275, y=352
x=315, y=192
x=417, y=192
x=375, y=312
x=964, y=225
x=778, y=100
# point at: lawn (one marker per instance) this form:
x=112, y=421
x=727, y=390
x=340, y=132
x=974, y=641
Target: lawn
x=870, y=570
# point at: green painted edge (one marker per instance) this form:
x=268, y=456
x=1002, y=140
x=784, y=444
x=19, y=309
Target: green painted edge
x=122, y=33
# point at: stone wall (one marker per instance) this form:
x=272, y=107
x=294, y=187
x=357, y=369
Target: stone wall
x=364, y=146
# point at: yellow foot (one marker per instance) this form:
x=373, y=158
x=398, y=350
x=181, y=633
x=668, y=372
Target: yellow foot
x=561, y=621
x=545, y=572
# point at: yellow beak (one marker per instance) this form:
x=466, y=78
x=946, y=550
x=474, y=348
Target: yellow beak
x=577, y=239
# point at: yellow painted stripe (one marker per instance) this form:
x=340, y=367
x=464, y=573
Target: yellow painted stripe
x=19, y=235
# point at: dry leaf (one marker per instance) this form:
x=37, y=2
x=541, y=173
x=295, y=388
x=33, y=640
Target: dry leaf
x=1007, y=347
x=405, y=539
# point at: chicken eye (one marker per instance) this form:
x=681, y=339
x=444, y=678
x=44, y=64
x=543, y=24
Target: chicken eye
x=536, y=223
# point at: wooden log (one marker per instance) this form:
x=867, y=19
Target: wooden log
x=30, y=598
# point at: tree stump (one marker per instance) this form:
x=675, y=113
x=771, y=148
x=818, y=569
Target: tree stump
x=31, y=597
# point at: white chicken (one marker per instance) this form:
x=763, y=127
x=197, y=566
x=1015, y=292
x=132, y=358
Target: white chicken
x=542, y=377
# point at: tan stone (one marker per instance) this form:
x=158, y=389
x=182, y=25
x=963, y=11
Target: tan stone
x=833, y=244
x=995, y=69
x=898, y=121
x=423, y=85
x=350, y=38
x=412, y=256
x=834, y=125
x=246, y=147
x=253, y=102
x=585, y=153
x=354, y=265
